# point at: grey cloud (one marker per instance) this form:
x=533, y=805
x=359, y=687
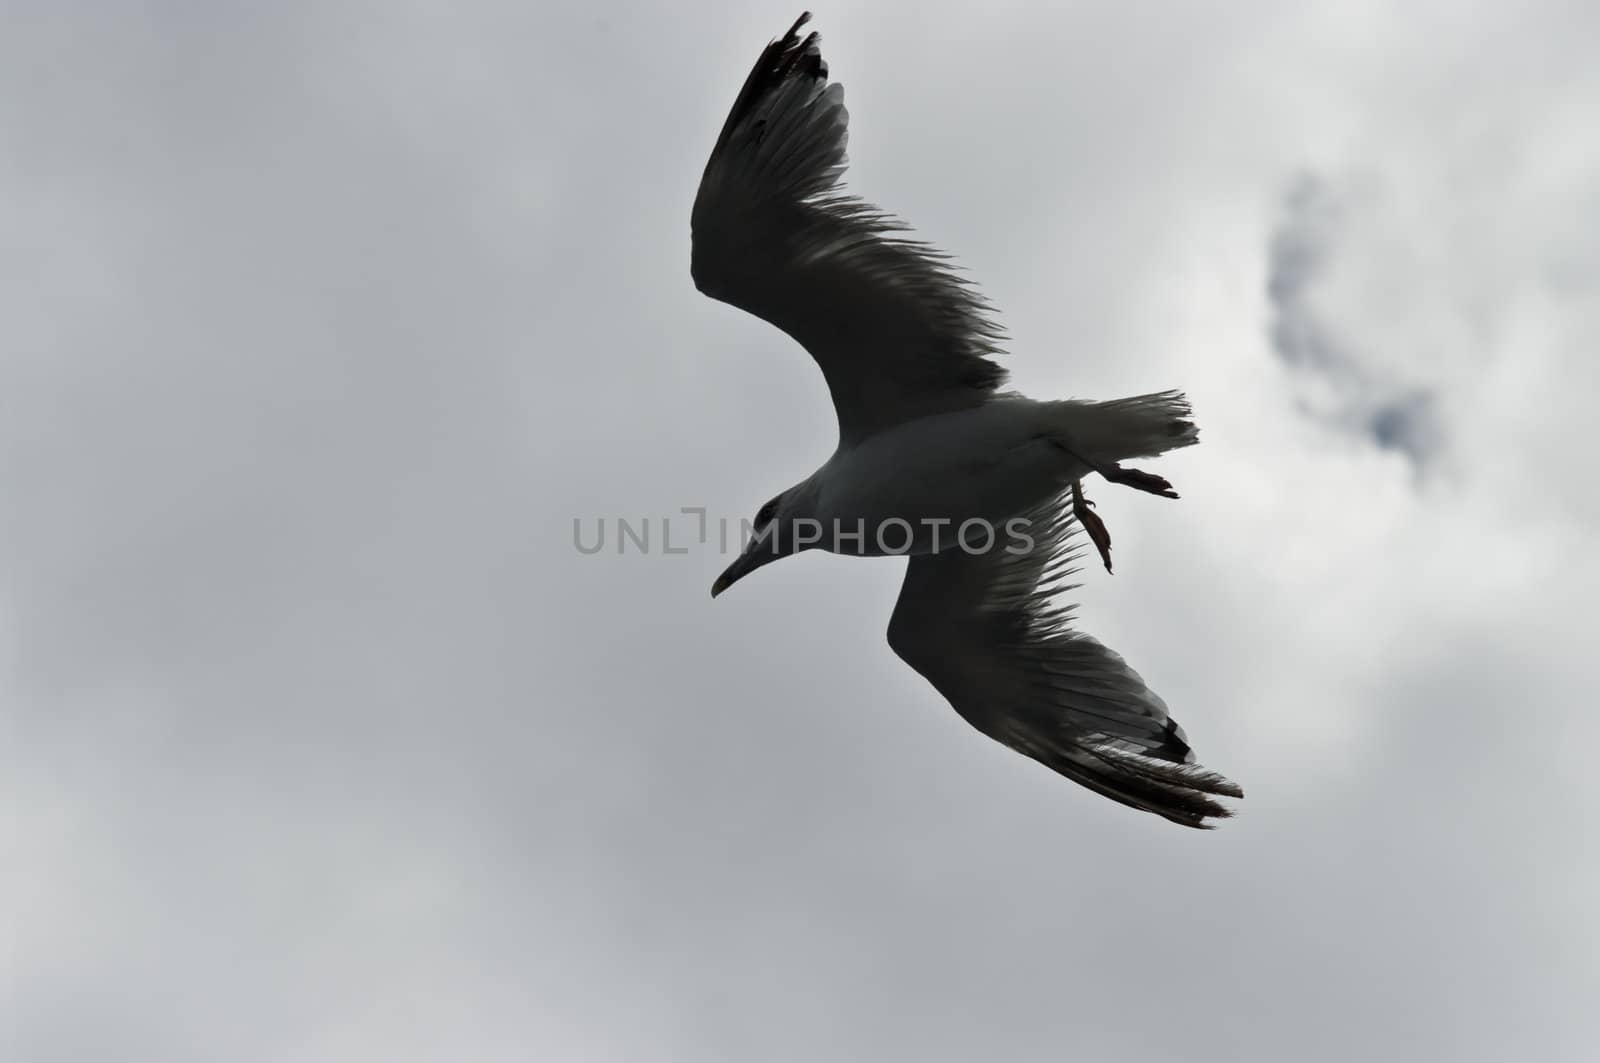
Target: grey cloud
x=324, y=743
x=1360, y=396
x=1300, y=247
x=1408, y=423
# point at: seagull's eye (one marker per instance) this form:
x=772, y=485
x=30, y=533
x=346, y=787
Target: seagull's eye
x=765, y=514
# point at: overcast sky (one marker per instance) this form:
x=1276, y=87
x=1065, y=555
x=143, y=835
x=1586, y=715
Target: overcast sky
x=320, y=323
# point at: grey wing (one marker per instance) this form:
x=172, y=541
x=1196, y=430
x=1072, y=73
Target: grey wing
x=983, y=630
x=896, y=332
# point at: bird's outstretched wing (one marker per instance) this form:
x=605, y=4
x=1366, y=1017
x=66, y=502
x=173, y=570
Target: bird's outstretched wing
x=897, y=333
x=983, y=629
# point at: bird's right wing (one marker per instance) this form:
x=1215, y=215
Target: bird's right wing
x=897, y=334
x=983, y=630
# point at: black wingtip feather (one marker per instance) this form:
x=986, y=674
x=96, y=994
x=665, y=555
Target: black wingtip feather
x=1174, y=745
x=778, y=60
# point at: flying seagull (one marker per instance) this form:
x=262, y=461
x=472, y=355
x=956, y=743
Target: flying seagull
x=981, y=487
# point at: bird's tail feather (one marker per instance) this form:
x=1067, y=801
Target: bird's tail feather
x=1142, y=426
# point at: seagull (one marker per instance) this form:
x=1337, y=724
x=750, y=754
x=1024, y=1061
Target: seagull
x=982, y=488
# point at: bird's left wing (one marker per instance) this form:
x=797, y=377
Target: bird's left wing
x=897, y=334
x=983, y=629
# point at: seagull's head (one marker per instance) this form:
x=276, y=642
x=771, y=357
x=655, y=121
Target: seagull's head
x=772, y=535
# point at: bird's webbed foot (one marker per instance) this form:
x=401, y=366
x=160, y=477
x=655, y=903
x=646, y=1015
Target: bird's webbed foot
x=1144, y=481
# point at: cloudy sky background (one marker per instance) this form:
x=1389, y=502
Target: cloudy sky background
x=320, y=324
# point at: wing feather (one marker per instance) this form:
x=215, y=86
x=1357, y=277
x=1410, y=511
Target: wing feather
x=984, y=629
x=897, y=333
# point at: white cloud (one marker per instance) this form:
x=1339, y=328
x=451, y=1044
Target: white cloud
x=327, y=744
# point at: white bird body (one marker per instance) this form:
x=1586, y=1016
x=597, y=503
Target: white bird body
x=933, y=474
x=933, y=459
x=987, y=464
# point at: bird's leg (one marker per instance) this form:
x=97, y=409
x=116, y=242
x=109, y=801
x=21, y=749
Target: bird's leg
x=1091, y=523
x=1115, y=473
